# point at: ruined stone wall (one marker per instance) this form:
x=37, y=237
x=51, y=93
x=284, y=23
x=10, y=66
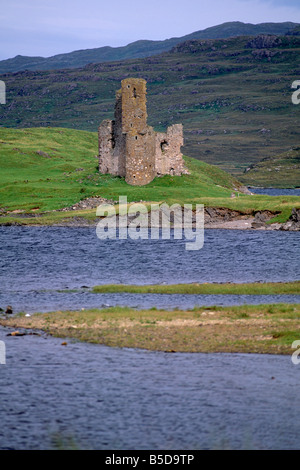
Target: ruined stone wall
x=140, y=158
x=107, y=164
x=130, y=148
x=168, y=156
x=140, y=138
x=134, y=111
x=119, y=137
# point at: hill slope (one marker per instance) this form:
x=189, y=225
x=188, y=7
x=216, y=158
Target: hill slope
x=46, y=169
x=233, y=97
x=50, y=169
x=280, y=171
x=137, y=49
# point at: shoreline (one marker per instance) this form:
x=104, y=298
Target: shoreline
x=229, y=225
x=260, y=329
x=85, y=214
x=224, y=222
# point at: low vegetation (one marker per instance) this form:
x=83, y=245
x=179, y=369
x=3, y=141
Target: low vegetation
x=251, y=288
x=267, y=329
x=44, y=170
x=279, y=171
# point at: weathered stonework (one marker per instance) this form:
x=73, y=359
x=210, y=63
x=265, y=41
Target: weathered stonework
x=128, y=147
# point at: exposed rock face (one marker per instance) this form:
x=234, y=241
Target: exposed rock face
x=128, y=147
x=294, y=221
x=221, y=214
x=261, y=218
x=295, y=217
x=264, y=41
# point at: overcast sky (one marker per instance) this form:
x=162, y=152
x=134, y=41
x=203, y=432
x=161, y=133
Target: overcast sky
x=48, y=27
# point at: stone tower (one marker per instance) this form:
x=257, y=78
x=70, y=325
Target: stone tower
x=128, y=147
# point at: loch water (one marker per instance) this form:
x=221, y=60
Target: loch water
x=276, y=191
x=96, y=397
x=54, y=268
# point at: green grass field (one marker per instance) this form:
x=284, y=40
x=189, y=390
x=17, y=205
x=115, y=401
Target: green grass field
x=43, y=168
x=46, y=169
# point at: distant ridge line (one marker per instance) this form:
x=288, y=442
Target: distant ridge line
x=140, y=48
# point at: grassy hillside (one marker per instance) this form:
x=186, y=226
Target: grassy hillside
x=45, y=169
x=51, y=168
x=280, y=171
x=233, y=97
x=137, y=49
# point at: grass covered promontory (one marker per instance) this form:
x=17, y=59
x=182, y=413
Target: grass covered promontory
x=269, y=329
x=46, y=169
x=251, y=288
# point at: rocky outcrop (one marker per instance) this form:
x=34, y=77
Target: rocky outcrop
x=261, y=218
x=88, y=203
x=214, y=215
x=293, y=224
x=264, y=41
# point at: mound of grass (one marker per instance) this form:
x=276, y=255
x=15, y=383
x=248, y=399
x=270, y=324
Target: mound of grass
x=47, y=169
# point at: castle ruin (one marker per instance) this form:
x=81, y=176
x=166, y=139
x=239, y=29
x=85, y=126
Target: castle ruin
x=128, y=147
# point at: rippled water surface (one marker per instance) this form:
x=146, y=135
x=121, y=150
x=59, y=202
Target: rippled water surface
x=31, y=302
x=107, y=398
x=38, y=262
x=276, y=191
